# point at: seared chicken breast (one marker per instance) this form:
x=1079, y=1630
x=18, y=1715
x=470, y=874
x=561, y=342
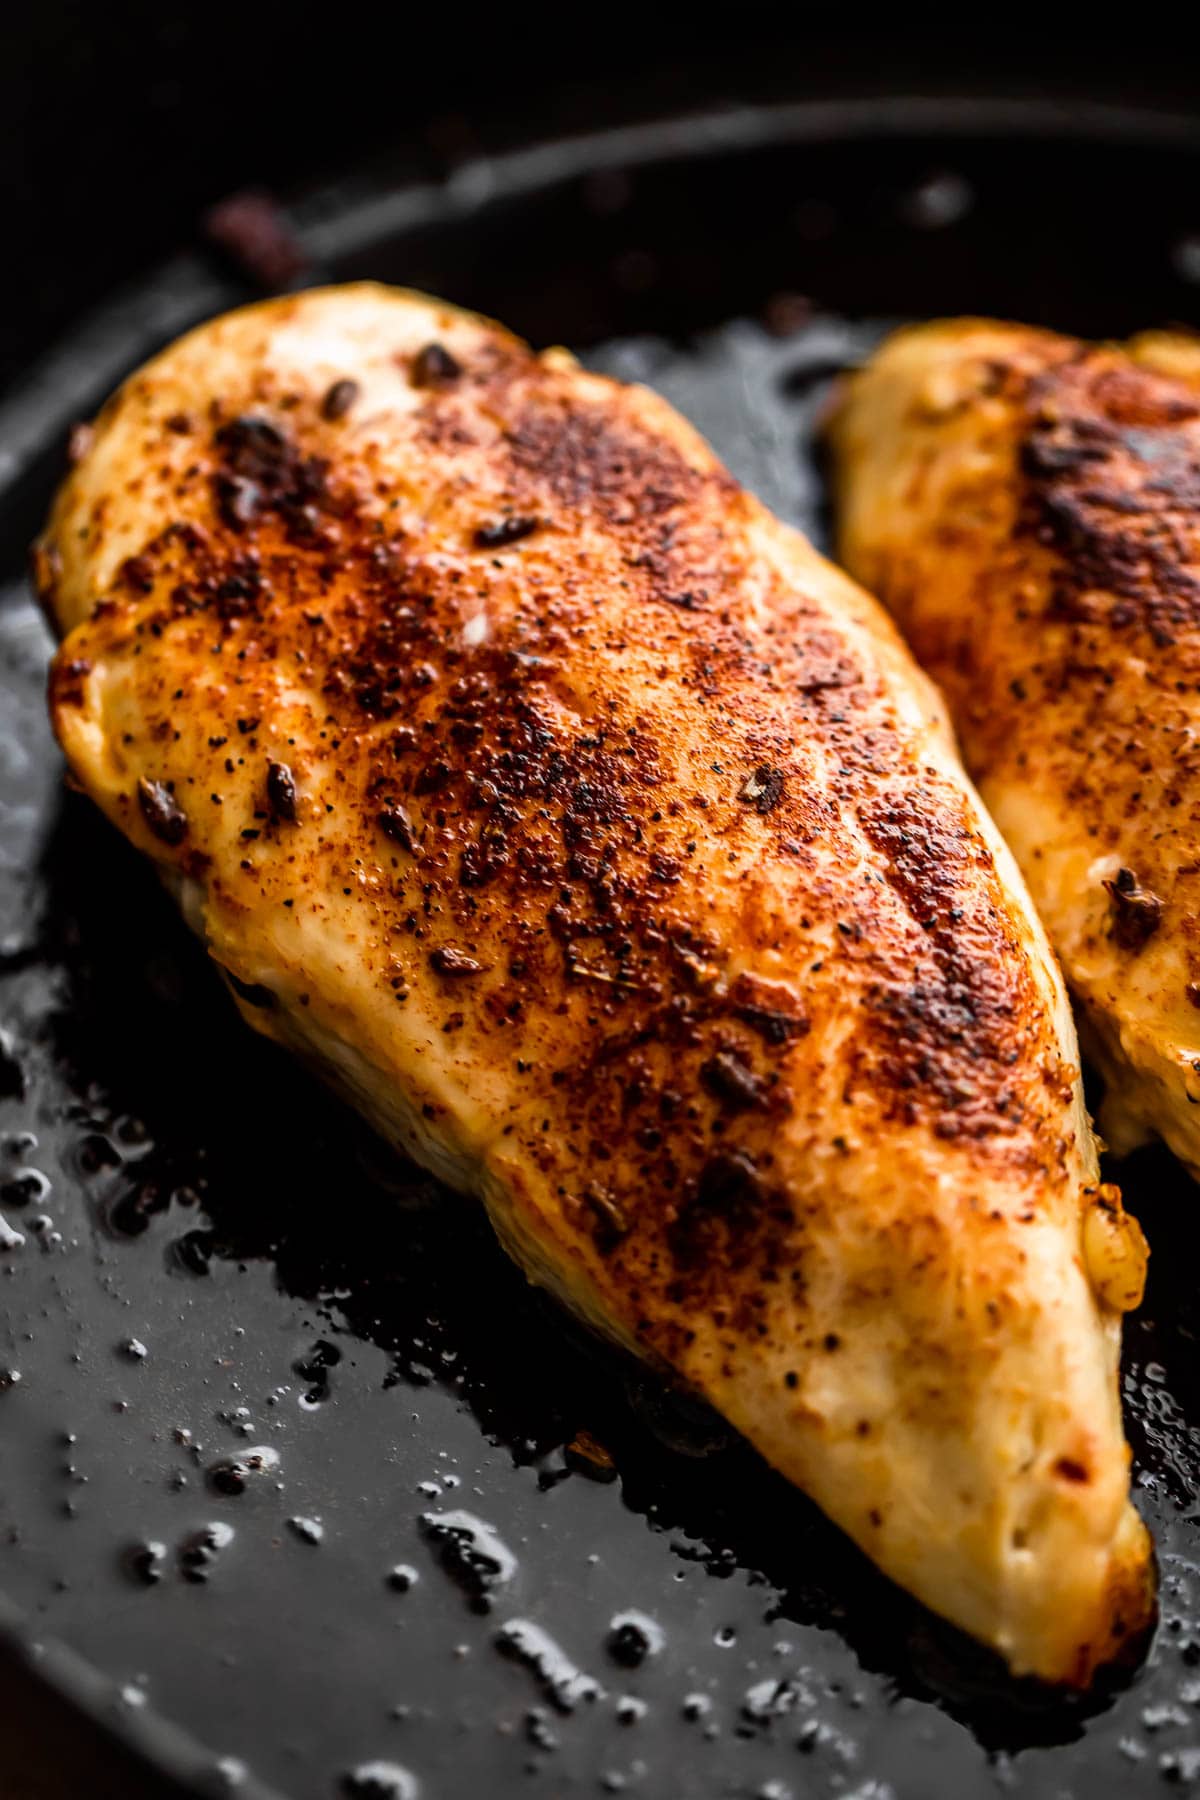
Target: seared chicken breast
x=1029, y=508
x=604, y=845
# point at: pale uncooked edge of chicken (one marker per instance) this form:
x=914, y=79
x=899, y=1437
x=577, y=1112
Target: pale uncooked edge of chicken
x=995, y=1489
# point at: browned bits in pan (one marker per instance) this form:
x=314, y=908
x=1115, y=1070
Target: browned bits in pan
x=162, y=812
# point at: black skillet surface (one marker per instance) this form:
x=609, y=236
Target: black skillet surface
x=285, y=1485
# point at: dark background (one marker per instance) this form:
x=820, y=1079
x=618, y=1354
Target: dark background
x=121, y=125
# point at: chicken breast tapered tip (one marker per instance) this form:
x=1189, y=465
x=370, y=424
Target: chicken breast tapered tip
x=604, y=845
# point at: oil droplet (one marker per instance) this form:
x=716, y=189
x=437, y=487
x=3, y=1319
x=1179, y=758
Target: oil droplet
x=631, y=1711
x=471, y=1553
x=199, y=1550
x=538, y=1729
x=632, y=1637
x=402, y=1578
x=24, y=1187
x=725, y=1635
x=379, y=1781
x=10, y=1238
x=696, y=1706
x=564, y=1684
x=309, y=1531
x=145, y=1562
x=230, y=1474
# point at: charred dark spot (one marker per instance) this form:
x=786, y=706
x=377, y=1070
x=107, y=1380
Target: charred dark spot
x=254, y=993
x=162, y=812
x=773, y=1027
x=609, y=1223
x=729, y=1080
x=67, y=679
x=339, y=399
x=281, y=793
x=727, y=1215
x=435, y=367
x=137, y=574
x=446, y=960
x=500, y=532
x=1111, y=465
x=590, y=461
x=763, y=790
x=1136, y=912
x=1069, y=1470
x=264, y=474
x=396, y=823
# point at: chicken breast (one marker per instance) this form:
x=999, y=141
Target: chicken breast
x=604, y=845
x=1029, y=508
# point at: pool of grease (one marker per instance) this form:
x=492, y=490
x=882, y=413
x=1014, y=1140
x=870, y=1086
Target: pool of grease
x=295, y=1458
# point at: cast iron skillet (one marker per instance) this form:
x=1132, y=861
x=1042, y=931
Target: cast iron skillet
x=298, y=1490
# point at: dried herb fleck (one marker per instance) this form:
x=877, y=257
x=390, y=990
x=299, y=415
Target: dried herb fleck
x=281, y=792
x=729, y=1080
x=1137, y=913
x=505, y=531
x=162, y=812
x=446, y=960
x=764, y=789
x=339, y=399
x=395, y=822
x=435, y=367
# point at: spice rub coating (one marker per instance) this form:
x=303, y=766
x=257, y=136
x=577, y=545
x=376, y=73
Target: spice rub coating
x=1029, y=508
x=605, y=846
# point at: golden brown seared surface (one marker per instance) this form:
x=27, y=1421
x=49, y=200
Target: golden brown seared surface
x=605, y=845
x=1029, y=507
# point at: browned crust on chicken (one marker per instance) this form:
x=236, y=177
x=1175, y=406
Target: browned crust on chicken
x=505, y=738
x=1039, y=541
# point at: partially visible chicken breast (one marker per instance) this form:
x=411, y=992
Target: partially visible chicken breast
x=606, y=847
x=1029, y=508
